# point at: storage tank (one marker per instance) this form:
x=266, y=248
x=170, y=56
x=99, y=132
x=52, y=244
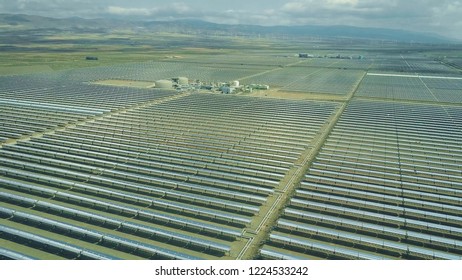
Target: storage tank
x=165, y=84
x=236, y=84
x=183, y=81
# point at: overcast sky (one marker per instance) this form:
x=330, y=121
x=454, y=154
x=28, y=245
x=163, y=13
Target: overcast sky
x=437, y=16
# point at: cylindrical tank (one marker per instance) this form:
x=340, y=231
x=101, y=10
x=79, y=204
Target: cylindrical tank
x=183, y=81
x=236, y=84
x=166, y=84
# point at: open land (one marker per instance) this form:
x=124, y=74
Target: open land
x=341, y=158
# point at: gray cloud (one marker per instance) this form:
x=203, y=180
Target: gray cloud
x=440, y=16
x=177, y=8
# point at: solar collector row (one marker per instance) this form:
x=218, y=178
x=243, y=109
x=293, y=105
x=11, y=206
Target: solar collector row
x=215, y=130
x=378, y=244
x=390, y=140
x=9, y=121
x=13, y=255
x=164, y=132
x=87, y=166
x=416, y=179
x=164, y=182
x=71, y=108
x=125, y=148
x=203, y=118
x=323, y=248
x=268, y=253
x=232, y=148
x=399, y=182
x=171, y=146
x=18, y=121
x=435, y=156
x=222, y=109
x=163, y=193
x=118, y=171
x=91, y=236
x=391, y=159
x=126, y=196
x=386, y=200
x=34, y=114
x=48, y=243
x=120, y=225
x=333, y=211
x=411, y=88
x=174, y=158
x=175, y=171
x=32, y=120
x=410, y=129
x=407, y=167
x=452, y=135
x=208, y=143
x=6, y=125
x=387, y=209
x=118, y=208
x=83, y=95
x=254, y=134
x=224, y=106
x=352, y=182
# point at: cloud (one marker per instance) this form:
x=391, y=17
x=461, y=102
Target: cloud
x=53, y=8
x=121, y=11
x=343, y=2
x=441, y=16
x=181, y=8
x=177, y=9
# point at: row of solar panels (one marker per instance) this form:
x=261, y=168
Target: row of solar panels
x=327, y=80
x=237, y=146
x=61, y=163
x=80, y=96
x=125, y=146
x=111, y=175
x=137, y=174
x=117, y=207
x=92, y=187
x=206, y=134
x=410, y=64
x=17, y=121
x=27, y=112
x=412, y=88
x=112, y=223
x=376, y=193
x=99, y=157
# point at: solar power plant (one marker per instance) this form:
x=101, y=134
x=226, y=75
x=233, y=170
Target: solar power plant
x=308, y=77
x=455, y=62
x=412, y=87
x=166, y=176
x=90, y=171
x=387, y=184
x=329, y=81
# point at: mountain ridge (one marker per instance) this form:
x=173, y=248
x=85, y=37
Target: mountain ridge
x=28, y=22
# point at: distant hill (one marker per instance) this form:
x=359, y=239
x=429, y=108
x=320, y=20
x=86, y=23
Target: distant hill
x=30, y=22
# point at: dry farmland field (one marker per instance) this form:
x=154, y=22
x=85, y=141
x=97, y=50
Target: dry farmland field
x=339, y=159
